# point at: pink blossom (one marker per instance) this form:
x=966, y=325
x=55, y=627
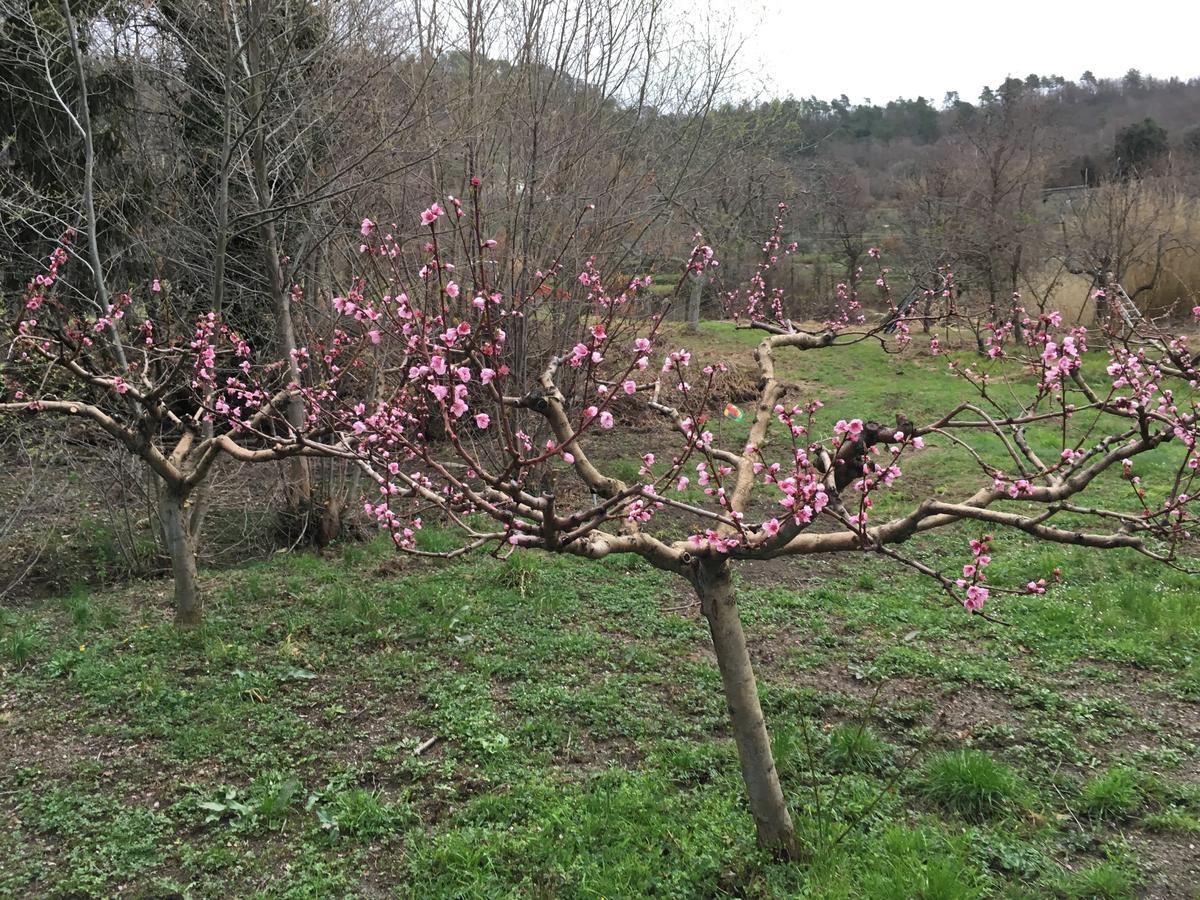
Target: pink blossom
x=629, y=386
x=366, y=227
x=976, y=596
x=452, y=289
x=1020, y=487
x=156, y=286
x=429, y=216
x=853, y=428
x=606, y=419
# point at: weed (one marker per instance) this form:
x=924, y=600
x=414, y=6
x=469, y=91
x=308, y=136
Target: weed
x=519, y=572
x=361, y=813
x=265, y=804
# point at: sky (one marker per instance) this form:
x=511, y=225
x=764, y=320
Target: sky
x=905, y=48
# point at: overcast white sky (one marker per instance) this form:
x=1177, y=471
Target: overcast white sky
x=877, y=50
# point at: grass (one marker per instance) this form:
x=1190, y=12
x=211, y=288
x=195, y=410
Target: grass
x=581, y=744
x=1098, y=881
x=856, y=747
x=352, y=725
x=1115, y=793
x=972, y=784
x=19, y=645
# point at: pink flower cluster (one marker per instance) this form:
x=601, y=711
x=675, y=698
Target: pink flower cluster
x=973, y=576
x=759, y=303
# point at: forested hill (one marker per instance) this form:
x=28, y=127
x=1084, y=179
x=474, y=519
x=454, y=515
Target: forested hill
x=1085, y=115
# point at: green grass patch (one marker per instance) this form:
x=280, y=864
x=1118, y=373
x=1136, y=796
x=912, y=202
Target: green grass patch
x=972, y=784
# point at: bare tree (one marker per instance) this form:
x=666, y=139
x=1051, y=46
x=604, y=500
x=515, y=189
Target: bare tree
x=977, y=208
x=1127, y=231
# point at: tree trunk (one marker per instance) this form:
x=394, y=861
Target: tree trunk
x=1016, y=304
x=714, y=586
x=693, y=305
x=189, y=605
x=298, y=488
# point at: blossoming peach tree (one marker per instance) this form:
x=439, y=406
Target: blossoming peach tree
x=176, y=393
x=452, y=434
